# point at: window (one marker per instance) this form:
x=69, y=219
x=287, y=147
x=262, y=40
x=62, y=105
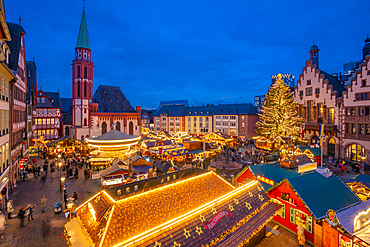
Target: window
x=78, y=89
x=363, y=83
x=225, y=124
x=355, y=152
x=367, y=129
x=232, y=124
x=242, y=117
x=189, y=119
x=361, y=111
x=194, y=119
x=195, y=125
x=308, y=91
x=320, y=110
x=297, y=217
x=218, y=117
x=362, y=96
x=300, y=93
x=348, y=111
x=52, y=121
x=317, y=90
x=85, y=72
x=242, y=124
x=207, y=119
x=353, y=111
x=308, y=82
x=104, y=128
x=48, y=121
x=353, y=128
x=331, y=115
x=225, y=117
x=85, y=89
x=309, y=111
x=218, y=123
x=42, y=100
x=232, y=117
x=78, y=71
x=200, y=125
x=367, y=111
x=362, y=129
x=200, y=119
x=85, y=122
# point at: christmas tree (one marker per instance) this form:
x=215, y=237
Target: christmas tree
x=279, y=117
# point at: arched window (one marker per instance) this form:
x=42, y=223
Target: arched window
x=85, y=89
x=85, y=122
x=85, y=110
x=78, y=71
x=85, y=72
x=131, y=128
x=82, y=138
x=356, y=152
x=67, y=131
x=314, y=140
x=118, y=126
x=104, y=128
x=78, y=89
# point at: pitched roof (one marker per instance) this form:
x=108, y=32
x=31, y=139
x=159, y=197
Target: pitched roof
x=154, y=207
x=274, y=173
x=83, y=35
x=236, y=109
x=67, y=118
x=111, y=99
x=54, y=98
x=321, y=194
x=337, y=86
x=16, y=32
x=66, y=103
x=346, y=217
x=171, y=111
x=363, y=178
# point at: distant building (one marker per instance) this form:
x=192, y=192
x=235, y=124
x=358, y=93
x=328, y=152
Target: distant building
x=349, y=68
x=48, y=115
x=170, y=118
x=258, y=101
x=31, y=102
x=289, y=80
x=183, y=102
x=147, y=119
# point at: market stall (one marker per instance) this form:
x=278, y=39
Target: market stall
x=190, y=211
x=100, y=163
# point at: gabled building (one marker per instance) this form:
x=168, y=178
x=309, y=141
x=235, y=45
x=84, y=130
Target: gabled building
x=319, y=97
x=31, y=102
x=17, y=64
x=8, y=78
x=355, y=113
x=48, y=115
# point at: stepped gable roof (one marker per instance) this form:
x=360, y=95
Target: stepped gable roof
x=67, y=118
x=337, y=86
x=113, y=135
x=54, y=99
x=111, y=99
x=16, y=32
x=274, y=173
x=31, y=80
x=66, y=103
x=236, y=109
x=171, y=111
x=321, y=194
x=83, y=35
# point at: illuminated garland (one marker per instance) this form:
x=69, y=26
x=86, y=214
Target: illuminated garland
x=279, y=117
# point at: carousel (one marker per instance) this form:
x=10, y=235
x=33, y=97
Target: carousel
x=113, y=143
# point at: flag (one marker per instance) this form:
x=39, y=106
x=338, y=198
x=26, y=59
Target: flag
x=321, y=133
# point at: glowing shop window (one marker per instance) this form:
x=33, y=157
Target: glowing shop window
x=136, y=187
x=128, y=190
x=119, y=192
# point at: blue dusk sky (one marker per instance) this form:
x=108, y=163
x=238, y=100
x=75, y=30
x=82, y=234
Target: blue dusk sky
x=204, y=51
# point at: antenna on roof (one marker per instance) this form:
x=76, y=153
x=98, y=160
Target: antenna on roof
x=20, y=21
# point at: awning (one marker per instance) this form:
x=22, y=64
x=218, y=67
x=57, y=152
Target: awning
x=100, y=159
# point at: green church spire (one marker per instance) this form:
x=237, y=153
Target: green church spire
x=83, y=35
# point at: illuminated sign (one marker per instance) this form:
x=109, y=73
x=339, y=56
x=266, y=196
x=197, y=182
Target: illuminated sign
x=265, y=180
x=92, y=211
x=216, y=218
x=361, y=220
x=307, y=167
x=113, y=181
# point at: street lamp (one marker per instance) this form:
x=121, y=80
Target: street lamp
x=363, y=157
x=62, y=179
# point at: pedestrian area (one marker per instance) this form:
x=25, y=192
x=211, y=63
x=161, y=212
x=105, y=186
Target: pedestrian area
x=30, y=192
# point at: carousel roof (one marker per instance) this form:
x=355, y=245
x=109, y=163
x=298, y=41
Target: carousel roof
x=113, y=135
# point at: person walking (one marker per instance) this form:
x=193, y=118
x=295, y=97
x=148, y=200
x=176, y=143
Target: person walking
x=75, y=198
x=43, y=202
x=30, y=211
x=300, y=235
x=2, y=222
x=22, y=212
x=9, y=208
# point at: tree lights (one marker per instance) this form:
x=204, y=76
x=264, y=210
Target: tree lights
x=278, y=117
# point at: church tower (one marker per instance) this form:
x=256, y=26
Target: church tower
x=314, y=55
x=82, y=82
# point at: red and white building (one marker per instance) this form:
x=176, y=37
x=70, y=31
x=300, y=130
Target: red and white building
x=319, y=95
x=48, y=115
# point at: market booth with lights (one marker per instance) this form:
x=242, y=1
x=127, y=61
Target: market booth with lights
x=185, y=213
x=348, y=228
x=305, y=198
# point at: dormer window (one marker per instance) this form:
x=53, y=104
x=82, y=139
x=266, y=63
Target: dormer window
x=363, y=83
x=42, y=100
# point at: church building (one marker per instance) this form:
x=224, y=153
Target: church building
x=90, y=115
